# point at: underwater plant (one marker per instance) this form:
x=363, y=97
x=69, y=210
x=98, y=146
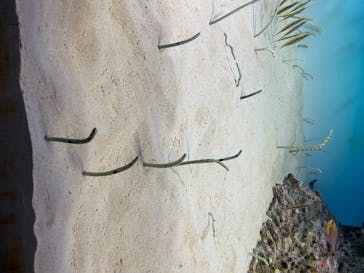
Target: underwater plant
x=165, y=165
x=237, y=81
x=267, y=49
x=251, y=94
x=217, y=19
x=181, y=162
x=118, y=170
x=72, y=140
x=211, y=221
x=309, y=148
x=180, y=42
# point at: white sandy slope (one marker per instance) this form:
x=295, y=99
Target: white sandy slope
x=88, y=64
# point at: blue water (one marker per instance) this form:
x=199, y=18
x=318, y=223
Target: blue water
x=335, y=99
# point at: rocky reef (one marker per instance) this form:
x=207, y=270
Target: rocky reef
x=354, y=245
x=302, y=235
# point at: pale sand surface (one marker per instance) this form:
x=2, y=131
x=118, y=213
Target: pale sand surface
x=92, y=64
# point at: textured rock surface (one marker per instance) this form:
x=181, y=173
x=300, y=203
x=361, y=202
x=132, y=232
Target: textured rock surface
x=88, y=64
x=294, y=238
x=354, y=253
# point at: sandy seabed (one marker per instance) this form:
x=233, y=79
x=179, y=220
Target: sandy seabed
x=87, y=64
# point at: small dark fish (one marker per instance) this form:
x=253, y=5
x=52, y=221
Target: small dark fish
x=301, y=5
x=285, y=38
x=307, y=76
x=283, y=9
x=312, y=184
x=313, y=27
x=345, y=105
x=295, y=28
x=283, y=1
x=294, y=23
x=296, y=66
x=309, y=120
x=293, y=13
x=296, y=39
x=295, y=35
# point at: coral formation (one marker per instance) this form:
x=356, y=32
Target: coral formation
x=354, y=244
x=294, y=238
